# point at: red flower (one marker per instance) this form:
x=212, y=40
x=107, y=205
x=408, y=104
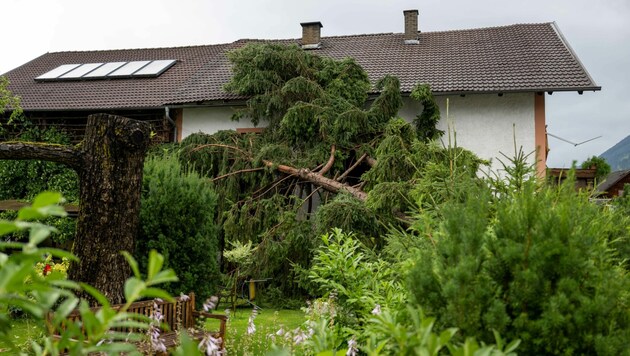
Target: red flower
x=47, y=269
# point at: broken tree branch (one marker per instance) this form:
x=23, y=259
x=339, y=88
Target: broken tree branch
x=326, y=183
x=355, y=165
x=41, y=151
x=238, y=172
x=330, y=162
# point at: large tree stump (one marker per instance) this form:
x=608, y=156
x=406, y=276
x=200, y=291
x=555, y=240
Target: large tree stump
x=110, y=182
x=109, y=163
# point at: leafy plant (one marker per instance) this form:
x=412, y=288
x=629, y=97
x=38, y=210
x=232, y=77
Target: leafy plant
x=55, y=297
x=177, y=219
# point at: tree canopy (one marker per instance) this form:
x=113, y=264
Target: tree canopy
x=333, y=154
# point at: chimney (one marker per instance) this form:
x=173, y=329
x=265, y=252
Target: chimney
x=311, y=35
x=411, y=26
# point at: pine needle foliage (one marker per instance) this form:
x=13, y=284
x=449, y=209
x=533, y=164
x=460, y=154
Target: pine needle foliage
x=426, y=122
x=319, y=118
x=535, y=265
x=176, y=218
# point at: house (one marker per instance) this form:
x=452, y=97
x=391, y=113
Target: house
x=493, y=81
x=584, y=177
x=613, y=185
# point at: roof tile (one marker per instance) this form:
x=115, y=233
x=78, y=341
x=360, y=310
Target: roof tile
x=523, y=57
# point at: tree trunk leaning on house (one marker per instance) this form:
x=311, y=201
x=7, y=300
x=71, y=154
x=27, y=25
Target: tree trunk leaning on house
x=109, y=162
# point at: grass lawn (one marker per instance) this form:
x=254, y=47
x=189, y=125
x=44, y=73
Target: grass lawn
x=267, y=322
x=238, y=342
x=24, y=330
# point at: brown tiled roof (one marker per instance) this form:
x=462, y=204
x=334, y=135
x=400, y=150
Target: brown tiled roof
x=516, y=58
x=612, y=179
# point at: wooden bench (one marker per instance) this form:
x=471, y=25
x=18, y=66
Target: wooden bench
x=179, y=315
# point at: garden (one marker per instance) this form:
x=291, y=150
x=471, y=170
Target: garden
x=341, y=229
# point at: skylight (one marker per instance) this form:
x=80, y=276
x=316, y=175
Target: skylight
x=108, y=70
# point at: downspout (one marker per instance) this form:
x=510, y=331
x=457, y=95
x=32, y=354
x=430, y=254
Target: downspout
x=168, y=117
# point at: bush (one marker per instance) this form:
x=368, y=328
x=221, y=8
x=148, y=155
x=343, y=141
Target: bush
x=537, y=265
x=176, y=219
x=26, y=178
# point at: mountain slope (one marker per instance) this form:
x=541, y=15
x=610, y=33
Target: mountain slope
x=618, y=156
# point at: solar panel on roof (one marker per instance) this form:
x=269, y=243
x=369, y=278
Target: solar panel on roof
x=128, y=69
x=55, y=73
x=155, y=68
x=81, y=70
x=104, y=70
x=108, y=70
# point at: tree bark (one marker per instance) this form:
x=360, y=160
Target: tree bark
x=41, y=151
x=110, y=185
x=109, y=163
x=326, y=183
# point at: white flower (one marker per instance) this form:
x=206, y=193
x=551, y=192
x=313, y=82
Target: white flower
x=210, y=303
x=376, y=310
x=280, y=332
x=211, y=346
x=251, y=328
x=352, y=347
x=183, y=297
x=299, y=337
x=157, y=344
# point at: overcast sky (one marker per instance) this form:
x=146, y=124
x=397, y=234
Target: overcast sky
x=598, y=31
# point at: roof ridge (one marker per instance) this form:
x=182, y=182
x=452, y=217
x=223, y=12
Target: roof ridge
x=141, y=49
x=493, y=27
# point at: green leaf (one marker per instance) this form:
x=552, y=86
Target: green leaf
x=100, y=298
x=47, y=198
x=38, y=234
x=157, y=293
x=133, y=289
x=187, y=347
x=64, y=309
x=55, y=252
x=132, y=263
x=512, y=346
x=156, y=261
x=7, y=227
x=28, y=213
x=165, y=276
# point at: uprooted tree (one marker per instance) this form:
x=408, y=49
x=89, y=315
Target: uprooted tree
x=109, y=163
x=333, y=154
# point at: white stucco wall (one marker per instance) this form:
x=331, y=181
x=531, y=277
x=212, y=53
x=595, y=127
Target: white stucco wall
x=483, y=123
x=210, y=120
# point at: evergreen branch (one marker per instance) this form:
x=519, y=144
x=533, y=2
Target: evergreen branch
x=198, y=148
x=238, y=172
x=355, y=165
x=330, y=162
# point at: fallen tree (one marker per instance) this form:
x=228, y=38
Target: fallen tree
x=330, y=156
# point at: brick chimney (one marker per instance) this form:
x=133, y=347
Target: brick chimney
x=311, y=34
x=411, y=26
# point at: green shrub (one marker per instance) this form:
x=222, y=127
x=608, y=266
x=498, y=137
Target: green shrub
x=176, y=219
x=65, y=229
x=24, y=179
x=537, y=266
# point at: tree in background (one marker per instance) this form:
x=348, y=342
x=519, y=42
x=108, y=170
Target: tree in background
x=602, y=168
